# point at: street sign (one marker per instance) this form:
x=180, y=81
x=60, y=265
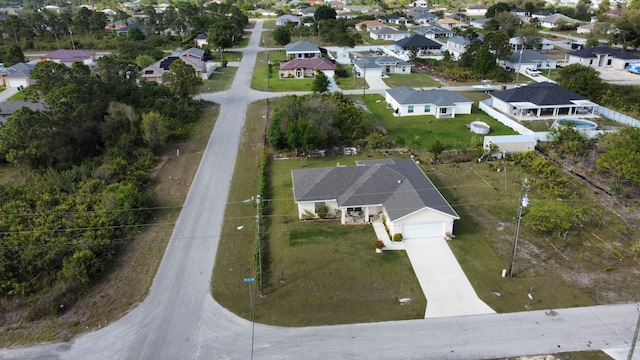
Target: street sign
x=249, y=279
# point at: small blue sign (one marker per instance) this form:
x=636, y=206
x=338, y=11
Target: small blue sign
x=249, y=279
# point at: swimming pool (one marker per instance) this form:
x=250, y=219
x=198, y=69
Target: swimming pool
x=580, y=124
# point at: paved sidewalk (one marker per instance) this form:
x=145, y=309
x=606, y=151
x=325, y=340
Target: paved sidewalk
x=381, y=234
x=448, y=291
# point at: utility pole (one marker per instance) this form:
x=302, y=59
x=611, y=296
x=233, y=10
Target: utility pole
x=259, y=245
x=73, y=44
x=266, y=54
x=524, y=202
x=519, y=62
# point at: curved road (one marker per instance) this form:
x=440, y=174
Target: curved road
x=180, y=320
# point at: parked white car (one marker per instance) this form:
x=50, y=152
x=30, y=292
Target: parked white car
x=532, y=71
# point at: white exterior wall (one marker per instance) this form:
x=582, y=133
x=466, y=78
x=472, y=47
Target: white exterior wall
x=511, y=147
x=501, y=105
x=426, y=216
x=620, y=64
x=311, y=206
x=463, y=108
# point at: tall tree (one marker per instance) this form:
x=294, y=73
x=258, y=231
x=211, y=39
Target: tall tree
x=184, y=81
x=221, y=34
x=584, y=80
x=12, y=54
x=282, y=35
x=320, y=83
x=497, y=8
x=324, y=12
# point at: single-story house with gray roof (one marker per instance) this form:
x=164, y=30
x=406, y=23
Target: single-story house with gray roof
x=302, y=50
x=18, y=75
x=601, y=57
x=287, y=19
x=7, y=108
x=392, y=190
x=406, y=101
x=380, y=66
x=388, y=33
x=544, y=100
x=528, y=59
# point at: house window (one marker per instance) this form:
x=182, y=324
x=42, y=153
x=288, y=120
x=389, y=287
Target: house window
x=427, y=108
x=319, y=205
x=443, y=110
x=609, y=62
x=410, y=109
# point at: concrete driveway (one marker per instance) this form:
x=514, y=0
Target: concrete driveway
x=448, y=291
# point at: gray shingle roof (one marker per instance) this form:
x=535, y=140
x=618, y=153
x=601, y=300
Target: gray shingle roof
x=397, y=184
x=386, y=30
x=528, y=56
x=433, y=29
x=9, y=107
x=408, y=96
x=301, y=46
x=592, y=52
x=373, y=62
x=543, y=93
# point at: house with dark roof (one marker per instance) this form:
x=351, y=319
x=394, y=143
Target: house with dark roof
x=201, y=40
x=145, y=29
x=395, y=191
x=302, y=50
x=544, y=100
x=380, y=66
x=7, y=108
x=601, y=57
x=388, y=33
x=394, y=19
x=306, y=68
x=422, y=44
x=528, y=59
x=434, y=32
x=406, y=101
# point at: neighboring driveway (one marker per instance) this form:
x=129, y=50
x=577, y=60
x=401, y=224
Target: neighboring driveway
x=448, y=291
x=375, y=83
x=7, y=93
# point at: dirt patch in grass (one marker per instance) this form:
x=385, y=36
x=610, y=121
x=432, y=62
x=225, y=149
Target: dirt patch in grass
x=128, y=282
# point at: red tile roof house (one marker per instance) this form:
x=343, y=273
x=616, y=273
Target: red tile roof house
x=306, y=68
x=68, y=57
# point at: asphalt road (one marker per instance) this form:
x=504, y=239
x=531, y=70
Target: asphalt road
x=180, y=320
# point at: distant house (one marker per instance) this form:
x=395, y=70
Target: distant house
x=519, y=12
x=394, y=191
x=543, y=45
x=264, y=12
x=476, y=10
x=369, y=25
x=601, y=57
x=307, y=12
x=435, y=32
x=287, y=19
x=302, y=50
x=7, y=108
x=18, y=75
x=306, y=68
x=145, y=29
x=552, y=21
x=201, y=39
x=347, y=15
x=457, y=45
x=193, y=56
x=424, y=18
x=68, y=57
x=380, y=66
x=422, y=44
x=406, y=101
x=542, y=100
x=586, y=28
x=388, y=33
x=450, y=23
x=394, y=19
x=510, y=144
x=522, y=59
x=420, y=4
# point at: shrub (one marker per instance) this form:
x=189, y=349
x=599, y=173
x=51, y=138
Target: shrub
x=397, y=237
x=308, y=215
x=323, y=212
x=379, y=244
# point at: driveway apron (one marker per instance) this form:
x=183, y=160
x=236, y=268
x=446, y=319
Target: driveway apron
x=448, y=291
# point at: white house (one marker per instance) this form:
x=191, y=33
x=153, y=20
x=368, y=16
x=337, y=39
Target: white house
x=287, y=19
x=18, y=75
x=554, y=20
x=457, y=45
x=476, y=10
x=435, y=32
x=380, y=66
x=394, y=19
x=543, y=100
x=510, y=143
x=395, y=191
x=528, y=59
x=420, y=3
x=388, y=33
x=424, y=18
x=422, y=44
x=601, y=57
x=406, y=101
x=543, y=45
x=302, y=50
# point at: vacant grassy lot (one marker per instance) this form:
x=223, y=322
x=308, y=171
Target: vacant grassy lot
x=259, y=80
x=220, y=80
x=349, y=82
x=127, y=284
x=414, y=80
x=452, y=132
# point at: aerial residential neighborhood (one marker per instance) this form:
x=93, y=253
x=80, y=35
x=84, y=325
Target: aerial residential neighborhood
x=384, y=180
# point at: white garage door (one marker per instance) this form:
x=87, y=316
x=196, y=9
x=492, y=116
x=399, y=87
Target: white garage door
x=14, y=83
x=422, y=230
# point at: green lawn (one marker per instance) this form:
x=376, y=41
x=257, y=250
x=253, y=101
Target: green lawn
x=220, y=80
x=226, y=55
x=259, y=80
x=20, y=95
x=269, y=24
x=368, y=40
x=452, y=132
x=317, y=272
x=349, y=82
x=414, y=80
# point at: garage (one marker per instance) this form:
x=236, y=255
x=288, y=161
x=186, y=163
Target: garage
x=422, y=230
x=15, y=83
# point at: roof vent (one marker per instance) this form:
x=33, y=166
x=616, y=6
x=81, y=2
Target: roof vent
x=399, y=181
